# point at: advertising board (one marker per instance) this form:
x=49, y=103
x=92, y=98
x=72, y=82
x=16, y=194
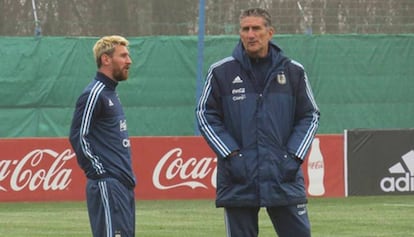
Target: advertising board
x=45, y=169
x=380, y=162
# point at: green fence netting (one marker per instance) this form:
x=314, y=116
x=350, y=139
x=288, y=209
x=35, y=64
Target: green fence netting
x=359, y=81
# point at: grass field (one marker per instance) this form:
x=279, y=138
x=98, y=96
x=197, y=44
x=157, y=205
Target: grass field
x=377, y=216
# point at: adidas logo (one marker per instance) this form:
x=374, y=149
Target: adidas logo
x=110, y=103
x=237, y=80
x=404, y=183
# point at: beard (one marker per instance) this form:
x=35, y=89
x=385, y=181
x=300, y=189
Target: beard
x=119, y=74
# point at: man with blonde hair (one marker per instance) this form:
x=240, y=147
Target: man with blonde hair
x=100, y=139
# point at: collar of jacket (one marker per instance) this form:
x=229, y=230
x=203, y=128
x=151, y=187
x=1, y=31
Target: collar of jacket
x=276, y=54
x=106, y=80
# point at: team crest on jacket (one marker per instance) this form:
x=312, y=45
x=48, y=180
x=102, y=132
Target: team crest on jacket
x=281, y=79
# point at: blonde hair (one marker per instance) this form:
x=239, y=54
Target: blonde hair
x=106, y=45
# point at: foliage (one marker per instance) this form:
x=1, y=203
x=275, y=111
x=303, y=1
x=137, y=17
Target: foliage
x=180, y=17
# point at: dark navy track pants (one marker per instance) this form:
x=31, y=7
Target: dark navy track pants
x=111, y=208
x=288, y=221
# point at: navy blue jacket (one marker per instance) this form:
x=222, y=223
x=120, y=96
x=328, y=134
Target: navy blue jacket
x=99, y=133
x=266, y=126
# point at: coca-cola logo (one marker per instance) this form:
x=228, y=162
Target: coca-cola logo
x=316, y=164
x=173, y=171
x=30, y=172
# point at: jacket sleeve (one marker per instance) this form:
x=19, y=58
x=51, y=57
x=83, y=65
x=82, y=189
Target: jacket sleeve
x=209, y=116
x=306, y=120
x=87, y=109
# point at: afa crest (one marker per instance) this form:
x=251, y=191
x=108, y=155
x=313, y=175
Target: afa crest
x=281, y=79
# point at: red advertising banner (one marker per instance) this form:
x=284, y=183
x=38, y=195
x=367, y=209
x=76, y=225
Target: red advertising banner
x=45, y=169
x=39, y=169
x=324, y=167
x=174, y=168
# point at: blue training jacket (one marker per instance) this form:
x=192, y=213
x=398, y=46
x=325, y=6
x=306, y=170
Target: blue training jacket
x=99, y=133
x=265, y=126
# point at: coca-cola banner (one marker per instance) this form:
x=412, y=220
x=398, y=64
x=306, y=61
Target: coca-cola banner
x=174, y=168
x=45, y=169
x=324, y=167
x=380, y=162
x=39, y=169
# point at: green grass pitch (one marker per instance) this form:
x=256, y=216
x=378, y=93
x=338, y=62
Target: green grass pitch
x=373, y=216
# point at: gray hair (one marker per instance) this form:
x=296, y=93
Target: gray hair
x=258, y=12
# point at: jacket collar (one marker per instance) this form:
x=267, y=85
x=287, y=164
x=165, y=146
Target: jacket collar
x=106, y=80
x=275, y=52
